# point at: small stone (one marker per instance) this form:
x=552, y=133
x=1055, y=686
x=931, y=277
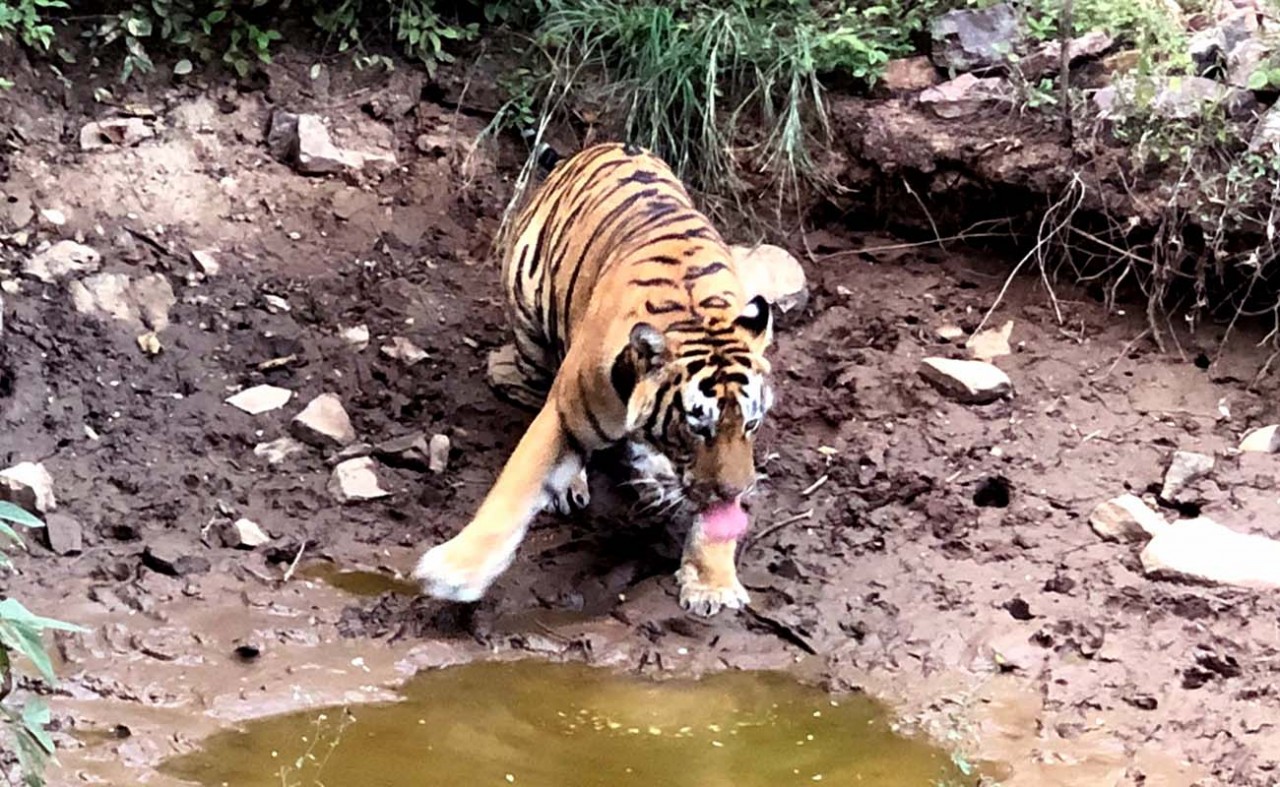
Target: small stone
x=208, y=263
x=1126, y=518
x=171, y=555
x=282, y=137
x=149, y=343
x=53, y=217
x=63, y=534
x=991, y=343
x=965, y=95
x=972, y=382
x=773, y=272
x=278, y=450
x=356, y=336
x=314, y=152
x=438, y=453
x=970, y=39
x=1263, y=441
x=410, y=451
x=145, y=302
x=355, y=480
x=1266, y=135
x=122, y=132
x=949, y=332
x=1184, y=470
x=242, y=534
x=1047, y=59
x=324, y=423
x=1245, y=58
x=260, y=399
x=401, y=349
x=61, y=259
x=28, y=485
x=1205, y=551
x=906, y=74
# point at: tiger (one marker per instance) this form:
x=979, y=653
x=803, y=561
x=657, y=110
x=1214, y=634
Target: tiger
x=632, y=329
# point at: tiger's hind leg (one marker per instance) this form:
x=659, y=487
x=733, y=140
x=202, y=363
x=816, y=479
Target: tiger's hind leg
x=525, y=385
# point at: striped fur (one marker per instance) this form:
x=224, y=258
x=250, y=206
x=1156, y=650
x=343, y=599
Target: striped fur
x=630, y=326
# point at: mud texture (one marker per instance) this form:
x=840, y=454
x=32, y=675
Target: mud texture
x=934, y=554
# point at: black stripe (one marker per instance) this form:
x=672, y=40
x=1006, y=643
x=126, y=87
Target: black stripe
x=608, y=219
x=705, y=270
x=666, y=307
x=713, y=302
x=658, y=282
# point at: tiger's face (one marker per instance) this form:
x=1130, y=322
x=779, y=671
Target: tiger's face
x=700, y=394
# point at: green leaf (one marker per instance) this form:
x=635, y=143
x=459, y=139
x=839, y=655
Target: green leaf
x=182, y=67
x=18, y=516
x=1257, y=80
x=1273, y=77
x=215, y=17
x=139, y=26
x=26, y=640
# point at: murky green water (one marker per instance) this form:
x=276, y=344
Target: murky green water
x=545, y=725
x=357, y=583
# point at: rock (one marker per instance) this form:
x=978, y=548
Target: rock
x=991, y=343
x=970, y=39
x=965, y=95
x=1175, y=97
x=401, y=349
x=1203, y=550
x=29, y=485
x=1245, y=58
x=282, y=136
x=145, y=302
x=1126, y=518
x=304, y=140
x=973, y=382
x=1207, y=49
x=53, y=217
x=170, y=554
x=208, y=263
x=63, y=534
x=1266, y=135
x=355, y=480
x=278, y=450
x=502, y=372
x=411, y=451
x=910, y=73
x=324, y=423
x=260, y=399
x=1263, y=441
x=438, y=454
x=1047, y=59
x=771, y=271
x=61, y=259
x=123, y=132
x=1184, y=470
x=356, y=336
x=949, y=332
x=242, y=534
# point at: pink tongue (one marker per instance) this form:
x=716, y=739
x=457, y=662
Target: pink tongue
x=724, y=521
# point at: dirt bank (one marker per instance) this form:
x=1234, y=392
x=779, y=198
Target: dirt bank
x=923, y=536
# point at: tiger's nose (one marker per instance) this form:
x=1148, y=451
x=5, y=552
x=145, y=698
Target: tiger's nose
x=729, y=490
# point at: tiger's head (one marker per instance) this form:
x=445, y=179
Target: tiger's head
x=697, y=394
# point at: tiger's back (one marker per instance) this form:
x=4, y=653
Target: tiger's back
x=612, y=232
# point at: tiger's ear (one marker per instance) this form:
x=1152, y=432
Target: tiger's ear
x=757, y=317
x=645, y=352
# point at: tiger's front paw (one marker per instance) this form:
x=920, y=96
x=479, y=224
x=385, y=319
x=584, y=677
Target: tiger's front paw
x=706, y=599
x=460, y=571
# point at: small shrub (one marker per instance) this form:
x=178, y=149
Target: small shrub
x=20, y=633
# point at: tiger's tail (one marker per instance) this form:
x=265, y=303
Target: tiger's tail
x=547, y=157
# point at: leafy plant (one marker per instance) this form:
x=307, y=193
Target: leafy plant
x=20, y=633
x=28, y=21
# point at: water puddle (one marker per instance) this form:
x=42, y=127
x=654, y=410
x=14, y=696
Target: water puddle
x=561, y=725
x=357, y=583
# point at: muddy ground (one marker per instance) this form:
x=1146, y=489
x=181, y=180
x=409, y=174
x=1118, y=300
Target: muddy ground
x=922, y=537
